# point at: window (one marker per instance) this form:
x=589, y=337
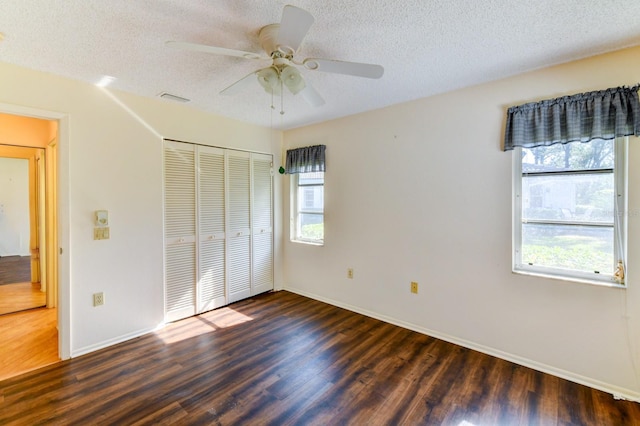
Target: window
x=569, y=201
x=308, y=207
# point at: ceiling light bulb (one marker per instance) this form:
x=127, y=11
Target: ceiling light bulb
x=269, y=80
x=292, y=79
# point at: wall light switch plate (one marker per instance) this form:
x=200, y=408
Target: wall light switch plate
x=102, y=218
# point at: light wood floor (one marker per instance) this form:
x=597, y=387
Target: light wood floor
x=21, y=296
x=29, y=340
x=283, y=359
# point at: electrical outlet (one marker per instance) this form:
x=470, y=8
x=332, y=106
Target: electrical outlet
x=414, y=287
x=98, y=299
x=350, y=273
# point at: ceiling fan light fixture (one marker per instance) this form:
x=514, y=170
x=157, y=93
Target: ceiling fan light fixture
x=292, y=79
x=269, y=80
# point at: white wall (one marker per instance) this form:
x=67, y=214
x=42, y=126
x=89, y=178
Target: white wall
x=421, y=192
x=111, y=159
x=14, y=207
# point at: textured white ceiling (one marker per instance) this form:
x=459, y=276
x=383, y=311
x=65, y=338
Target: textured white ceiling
x=425, y=46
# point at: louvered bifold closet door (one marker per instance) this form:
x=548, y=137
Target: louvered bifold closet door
x=211, y=218
x=262, y=222
x=179, y=230
x=238, y=234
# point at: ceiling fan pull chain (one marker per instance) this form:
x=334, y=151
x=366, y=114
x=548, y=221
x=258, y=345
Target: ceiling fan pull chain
x=271, y=117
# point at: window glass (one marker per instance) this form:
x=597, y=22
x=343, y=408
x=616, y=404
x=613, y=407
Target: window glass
x=592, y=155
x=581, y=248
x=566, y=201
x=308, y=202
x=580, y=197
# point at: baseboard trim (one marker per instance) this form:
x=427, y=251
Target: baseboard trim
x=101, y=345
x=617, y=392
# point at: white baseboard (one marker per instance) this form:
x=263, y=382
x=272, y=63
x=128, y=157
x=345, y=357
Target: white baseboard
x=106, y=343
x=617, y=392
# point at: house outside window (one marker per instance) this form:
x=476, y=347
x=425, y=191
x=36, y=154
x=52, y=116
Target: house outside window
x=308, y=207
x=569, y=210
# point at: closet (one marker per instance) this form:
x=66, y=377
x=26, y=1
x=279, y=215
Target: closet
x=218, y=224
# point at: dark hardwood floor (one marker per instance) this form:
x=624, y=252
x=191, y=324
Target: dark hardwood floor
x=15, y=269
x=285, y=359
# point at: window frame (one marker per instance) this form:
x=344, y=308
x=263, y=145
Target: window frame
x=620, y=172
x=296, y=212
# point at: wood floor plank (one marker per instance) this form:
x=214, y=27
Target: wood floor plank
x=21, y=296
x=283, y=359
x=29, y=340
x=15, y=269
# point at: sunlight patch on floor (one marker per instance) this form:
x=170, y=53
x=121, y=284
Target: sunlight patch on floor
x=201, y=324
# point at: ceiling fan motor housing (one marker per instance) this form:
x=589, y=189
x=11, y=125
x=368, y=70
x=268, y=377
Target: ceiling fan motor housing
x=268, y=36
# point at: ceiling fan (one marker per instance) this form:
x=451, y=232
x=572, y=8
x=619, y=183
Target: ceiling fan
x=281, y=42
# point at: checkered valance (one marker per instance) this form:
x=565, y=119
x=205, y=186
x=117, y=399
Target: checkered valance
x=604, y=114
x=305, y=160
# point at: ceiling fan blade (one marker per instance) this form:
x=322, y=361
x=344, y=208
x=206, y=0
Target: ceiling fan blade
x=294, y=25
x=310, y=95
x=212, y=49
x=239, y=85
x=342, y=67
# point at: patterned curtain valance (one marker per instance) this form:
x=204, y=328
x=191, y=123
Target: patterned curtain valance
x=604, y=114
x=305, y=160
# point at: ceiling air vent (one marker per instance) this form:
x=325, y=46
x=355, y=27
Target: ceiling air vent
x=175, y=98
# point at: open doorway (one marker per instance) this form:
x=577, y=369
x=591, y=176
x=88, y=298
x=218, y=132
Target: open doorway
x=28, y=243
x=21, y=220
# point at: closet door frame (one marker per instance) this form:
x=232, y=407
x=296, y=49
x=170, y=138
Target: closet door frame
x=227, y=234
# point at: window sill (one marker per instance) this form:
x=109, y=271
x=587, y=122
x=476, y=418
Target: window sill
x=570, y=279
x=309, y=243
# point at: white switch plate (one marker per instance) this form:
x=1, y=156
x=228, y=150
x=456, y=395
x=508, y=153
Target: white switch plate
x=102, y=218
